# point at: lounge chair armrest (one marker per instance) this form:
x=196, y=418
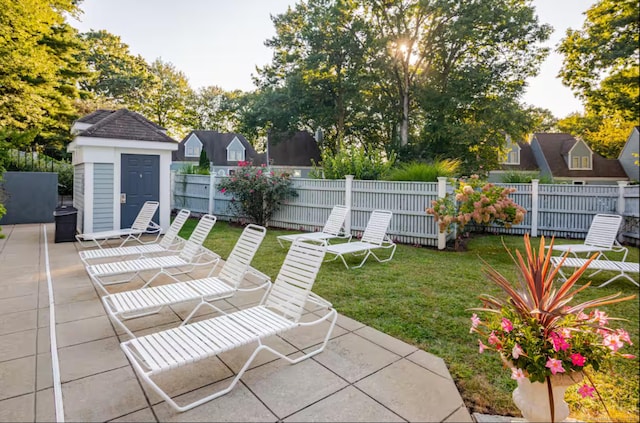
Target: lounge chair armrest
x=259, y=274
x=318, y=300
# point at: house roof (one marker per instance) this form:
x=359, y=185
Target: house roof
x=555, y=146
x=298, y=150
x=96, y=116
x=215, y=144
x=527, y=160
x=123, y=124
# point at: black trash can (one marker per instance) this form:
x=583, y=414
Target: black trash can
x=66, y=218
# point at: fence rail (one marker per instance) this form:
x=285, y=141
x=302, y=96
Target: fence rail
x=564, y=211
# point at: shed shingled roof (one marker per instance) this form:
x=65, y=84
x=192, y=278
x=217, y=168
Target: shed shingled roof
x=123, y=124
x=555, y=145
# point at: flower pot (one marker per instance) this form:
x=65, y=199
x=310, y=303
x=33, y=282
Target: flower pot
x=532, y=398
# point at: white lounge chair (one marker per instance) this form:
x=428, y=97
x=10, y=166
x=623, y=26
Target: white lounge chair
x=169, y=243
x=140, y=226
x=622, y=268
x=374, y=238
x=600, y=239
x=142, y=302
x=333, y=228
x=192, y=255
x=281, y=311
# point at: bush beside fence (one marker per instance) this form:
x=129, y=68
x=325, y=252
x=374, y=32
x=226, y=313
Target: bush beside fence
x=564, y=211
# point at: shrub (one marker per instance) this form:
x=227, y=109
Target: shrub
x=193, y=170
x=477, y=201
x=256, y=193
x=204, y=161
x=424, y=172
x=354, y=161
x=525, y=178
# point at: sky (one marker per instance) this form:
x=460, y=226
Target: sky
x=220, y=42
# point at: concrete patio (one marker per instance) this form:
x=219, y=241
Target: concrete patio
x=363, y=374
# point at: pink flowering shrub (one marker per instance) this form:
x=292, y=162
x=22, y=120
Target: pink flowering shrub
x=476, y=201
x=538, y=331
x=256, y=193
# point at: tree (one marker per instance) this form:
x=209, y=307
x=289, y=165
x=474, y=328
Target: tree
x=39, y=69
x=116, y=75
x=601, y=60
x=604, y=135
x=446, y=75
x=212, y=108
x=163, y=98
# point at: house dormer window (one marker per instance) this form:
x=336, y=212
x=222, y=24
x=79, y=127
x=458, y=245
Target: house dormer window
x=580, y=157
x=192, y=147
x=513, y=153
x=235, y=151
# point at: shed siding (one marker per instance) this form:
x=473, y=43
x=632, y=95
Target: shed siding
x=78, y=195
x=103, y=197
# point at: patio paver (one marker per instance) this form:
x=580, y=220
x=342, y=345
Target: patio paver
x=363, y=374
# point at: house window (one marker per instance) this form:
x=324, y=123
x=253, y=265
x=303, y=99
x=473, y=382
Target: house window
x=192, y=147
x=235, y=155
x=580, y=162
x=235, y=151
x=513, y=158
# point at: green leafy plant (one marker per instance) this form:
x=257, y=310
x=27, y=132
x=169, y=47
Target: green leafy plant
x=204, y=160
x=476, y=201
x=257, y=193
x=525, y=178
x=363, y=165
x=190, y=169
x=424, y=172
x=537, y=329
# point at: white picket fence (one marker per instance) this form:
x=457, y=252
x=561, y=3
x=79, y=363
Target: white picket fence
x=563, y=211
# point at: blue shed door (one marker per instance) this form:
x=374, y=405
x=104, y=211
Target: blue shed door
x=139, y=182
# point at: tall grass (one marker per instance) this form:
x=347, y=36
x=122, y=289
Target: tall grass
x=424, y=172
x=525, y=178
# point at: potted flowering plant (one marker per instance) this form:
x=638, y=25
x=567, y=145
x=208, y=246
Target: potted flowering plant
x=548, y=342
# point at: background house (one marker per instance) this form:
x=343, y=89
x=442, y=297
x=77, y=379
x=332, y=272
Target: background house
x=628, y=157
x=563, y=158
x=294, y=155
x=224, y=151
x=517, y=159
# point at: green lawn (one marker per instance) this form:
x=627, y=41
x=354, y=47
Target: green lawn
x=422, y=297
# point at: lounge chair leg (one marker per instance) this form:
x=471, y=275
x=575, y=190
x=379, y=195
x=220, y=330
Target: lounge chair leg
x=202, y=303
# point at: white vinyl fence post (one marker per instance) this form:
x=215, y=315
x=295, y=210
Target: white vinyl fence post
x=621, y=206
x=442, y=192
x=535, y=206
x=212, y=191
x=348, y=186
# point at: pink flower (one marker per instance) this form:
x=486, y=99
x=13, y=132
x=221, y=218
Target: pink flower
x=517, y=374
x=624, y=336
x=582, y=316
x=565, y=333
x=601, y=317
x=516, y=351
x=586, y=391
x=577, y=359
x=554, y=365
x=481, y=346
x=629, y=356
x=223, y=190
x=493, y=339
x=559, y=344
x=613, y=341
x=507, y=326
x=475, y=321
